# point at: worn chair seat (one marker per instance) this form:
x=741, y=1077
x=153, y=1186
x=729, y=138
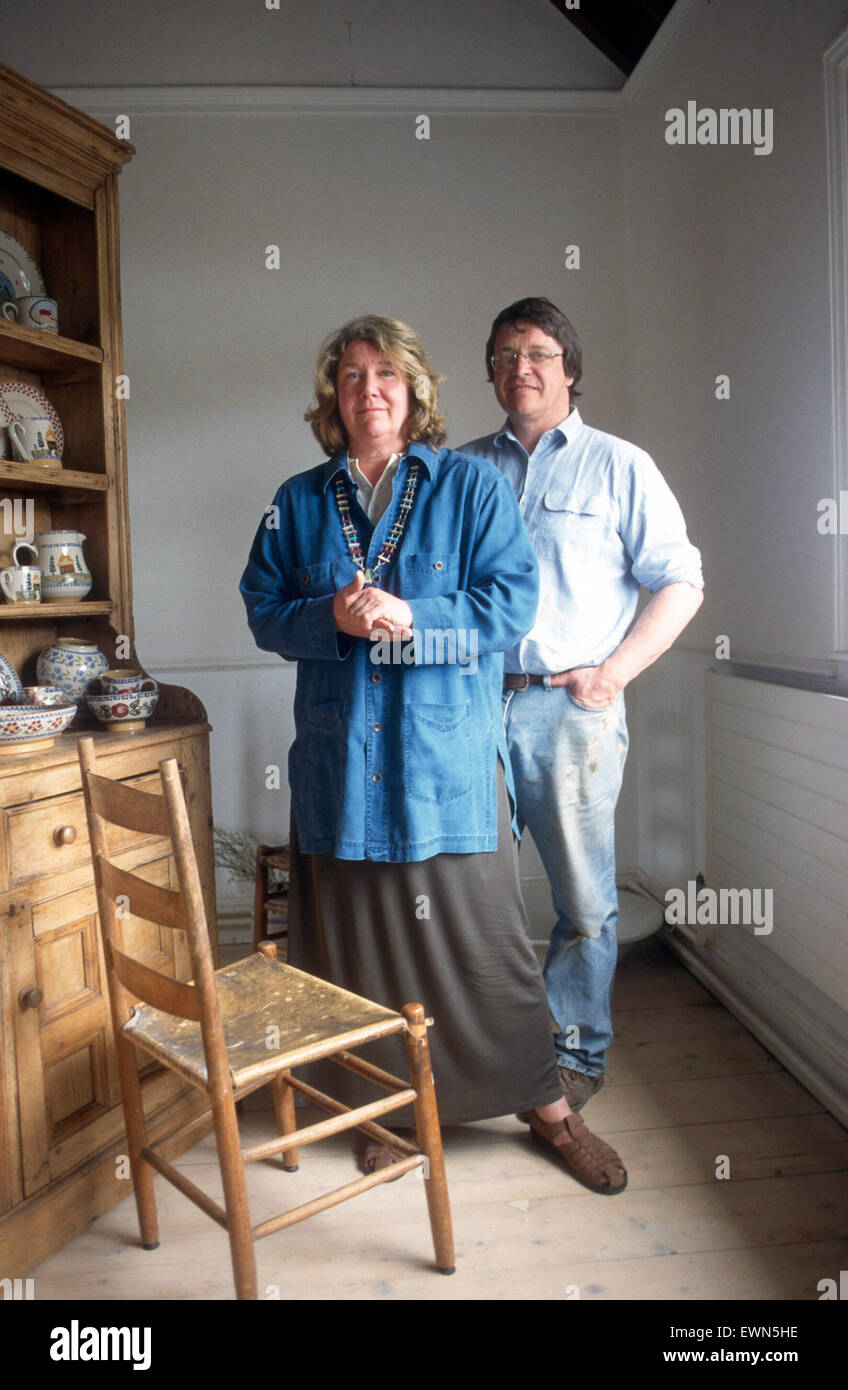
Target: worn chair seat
x=231, y=1031
x=310, y=1019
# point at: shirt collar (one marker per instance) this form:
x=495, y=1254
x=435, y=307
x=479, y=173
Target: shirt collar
x=421, y=452
x=567, y=429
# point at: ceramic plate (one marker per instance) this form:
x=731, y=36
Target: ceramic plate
x=19, y=275
x=10, y=686
x=17, y=398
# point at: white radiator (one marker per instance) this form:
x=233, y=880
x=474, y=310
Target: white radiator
x=777, y=819
x=777, y=783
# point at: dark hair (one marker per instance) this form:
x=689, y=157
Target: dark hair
x=552, y=321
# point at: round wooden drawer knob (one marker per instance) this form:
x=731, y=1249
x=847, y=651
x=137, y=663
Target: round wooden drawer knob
x=64, y=834
x=30, y=998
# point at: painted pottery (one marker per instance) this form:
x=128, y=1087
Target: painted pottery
x=71, y=664
x=64, y=576
x=48, y=696
x=127, y=682
x=123, y=711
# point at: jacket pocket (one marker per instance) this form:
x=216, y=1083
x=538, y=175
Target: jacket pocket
x=436, y=752
x=316, y=765
x=316, y=581
x=430, y=572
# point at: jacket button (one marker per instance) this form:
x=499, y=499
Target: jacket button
x=438, y=565
x=377, y=777
x=378, y=728
x=376, y=678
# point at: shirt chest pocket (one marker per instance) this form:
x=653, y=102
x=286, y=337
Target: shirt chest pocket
x=572, y=519
x=430, y=572
x=316, y=580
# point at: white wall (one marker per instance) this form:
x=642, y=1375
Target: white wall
x=727, y=272
x=219, y=349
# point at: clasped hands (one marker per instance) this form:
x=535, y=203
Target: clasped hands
x=360, y=609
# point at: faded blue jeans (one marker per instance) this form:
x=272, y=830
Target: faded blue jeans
x=568, y=763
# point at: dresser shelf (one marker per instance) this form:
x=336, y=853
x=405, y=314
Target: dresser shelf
x=61, y=1121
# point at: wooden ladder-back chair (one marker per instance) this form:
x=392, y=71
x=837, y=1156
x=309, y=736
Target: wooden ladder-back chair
x=215, y=1033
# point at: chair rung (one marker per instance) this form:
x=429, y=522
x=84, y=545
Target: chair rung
x=310, y=1134
x=336, y=1108
x=369, y=1071
x=186, y=1186
x=339, y=1194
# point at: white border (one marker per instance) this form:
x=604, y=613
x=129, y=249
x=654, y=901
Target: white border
x=836, y=125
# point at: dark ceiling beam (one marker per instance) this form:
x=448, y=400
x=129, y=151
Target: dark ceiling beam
x=620, y=29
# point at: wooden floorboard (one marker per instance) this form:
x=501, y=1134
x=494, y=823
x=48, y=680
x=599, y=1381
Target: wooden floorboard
x=690, y=1094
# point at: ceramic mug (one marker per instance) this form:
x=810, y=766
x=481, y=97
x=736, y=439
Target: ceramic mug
x=129, y=682
x=33, y=440
x=33, y=311
x=22, y=583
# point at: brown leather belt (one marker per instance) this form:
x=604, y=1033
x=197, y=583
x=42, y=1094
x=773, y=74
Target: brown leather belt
x=521, y=682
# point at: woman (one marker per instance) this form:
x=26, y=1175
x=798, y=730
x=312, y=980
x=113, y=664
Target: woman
x=396, y=574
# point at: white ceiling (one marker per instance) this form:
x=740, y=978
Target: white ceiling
x=382, y=43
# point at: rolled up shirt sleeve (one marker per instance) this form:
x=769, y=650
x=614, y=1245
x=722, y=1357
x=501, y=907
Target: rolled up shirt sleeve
x=653, y=528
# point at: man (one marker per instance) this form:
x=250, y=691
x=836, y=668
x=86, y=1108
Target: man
x=604, y=523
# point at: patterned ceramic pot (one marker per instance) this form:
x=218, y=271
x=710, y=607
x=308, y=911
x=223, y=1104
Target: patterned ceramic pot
x=114, y=709
x=64, y=575
x=71, y=664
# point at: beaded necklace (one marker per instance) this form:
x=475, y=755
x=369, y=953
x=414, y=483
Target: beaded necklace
x=393, y=539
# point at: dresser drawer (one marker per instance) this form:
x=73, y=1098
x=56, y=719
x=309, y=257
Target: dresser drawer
x=52, y=835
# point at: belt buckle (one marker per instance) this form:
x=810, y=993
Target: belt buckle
x=526, y=679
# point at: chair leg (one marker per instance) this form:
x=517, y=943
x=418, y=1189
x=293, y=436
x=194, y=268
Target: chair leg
x=286, y=1121
x=239, y=1229
x=429, y=1136
x=260, y=893
x=142, y=1173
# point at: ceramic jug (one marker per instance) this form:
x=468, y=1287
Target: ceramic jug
x=64, y=575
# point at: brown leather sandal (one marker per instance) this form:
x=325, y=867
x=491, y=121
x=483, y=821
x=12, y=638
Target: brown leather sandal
x=588, y=1159
x=376, y=1155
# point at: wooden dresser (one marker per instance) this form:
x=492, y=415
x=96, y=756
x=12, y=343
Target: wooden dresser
x=61, y=1123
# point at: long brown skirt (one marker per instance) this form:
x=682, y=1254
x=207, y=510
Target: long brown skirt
x=450, y=933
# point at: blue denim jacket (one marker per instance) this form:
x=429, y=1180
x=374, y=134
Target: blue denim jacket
x=396, y=747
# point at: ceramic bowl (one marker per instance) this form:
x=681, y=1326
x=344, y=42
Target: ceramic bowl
x=121, y=709
x=20, y=722
x=46, y=695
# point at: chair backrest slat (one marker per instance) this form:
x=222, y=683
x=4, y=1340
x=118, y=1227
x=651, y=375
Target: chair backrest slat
x=154, y=988
x=113, y=802
x=129, y=807
x=144, y=899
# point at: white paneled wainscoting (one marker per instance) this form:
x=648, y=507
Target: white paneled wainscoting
x=768, y=931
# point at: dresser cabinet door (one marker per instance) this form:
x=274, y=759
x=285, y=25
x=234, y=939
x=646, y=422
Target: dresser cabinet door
x=69, y=1097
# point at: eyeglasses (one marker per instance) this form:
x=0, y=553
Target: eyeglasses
x=537, y=357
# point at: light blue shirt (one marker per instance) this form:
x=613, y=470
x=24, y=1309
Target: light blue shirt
x=603, y=522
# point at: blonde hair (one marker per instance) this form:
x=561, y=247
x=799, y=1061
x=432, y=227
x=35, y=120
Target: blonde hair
x=402, y=347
